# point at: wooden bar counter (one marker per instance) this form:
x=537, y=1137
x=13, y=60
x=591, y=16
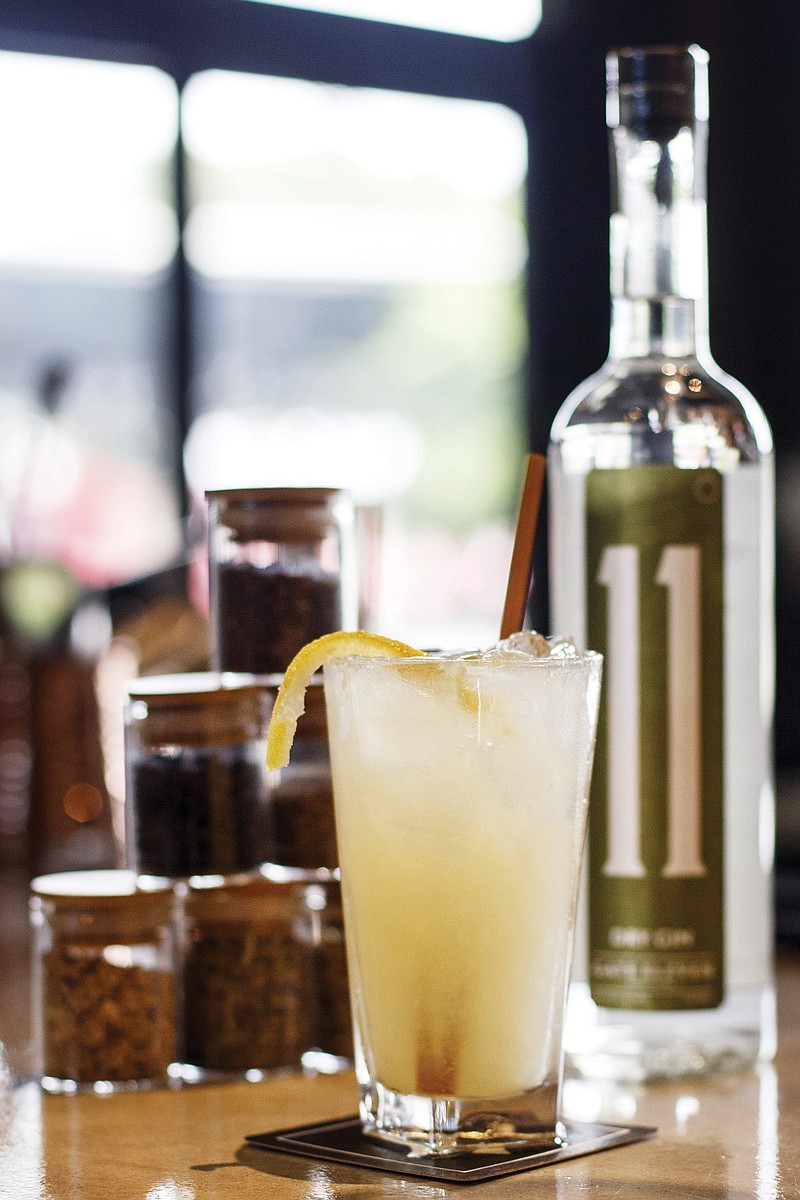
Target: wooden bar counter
x=732, y=1136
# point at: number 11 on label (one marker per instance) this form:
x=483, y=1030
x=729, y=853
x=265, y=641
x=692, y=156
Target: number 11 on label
x=679, y=571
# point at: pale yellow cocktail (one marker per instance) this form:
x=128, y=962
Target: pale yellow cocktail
x=460, y=790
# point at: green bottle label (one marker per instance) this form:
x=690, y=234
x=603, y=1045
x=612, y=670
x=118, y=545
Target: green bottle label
x=655, y=610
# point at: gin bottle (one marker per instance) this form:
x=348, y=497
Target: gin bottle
x=661, y=500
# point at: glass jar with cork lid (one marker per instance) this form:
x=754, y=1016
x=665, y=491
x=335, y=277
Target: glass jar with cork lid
x=249, y=995
x=281, y=573
x=104, y=974
x=197, y=800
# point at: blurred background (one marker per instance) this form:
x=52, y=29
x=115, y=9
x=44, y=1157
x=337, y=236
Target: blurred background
x=359, y=243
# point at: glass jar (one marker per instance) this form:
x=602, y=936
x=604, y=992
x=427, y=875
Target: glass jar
x=248, y=975
x=196, y=782
x=103, y=981
x=333, y=1031
x=281, y=573
x=301, y=793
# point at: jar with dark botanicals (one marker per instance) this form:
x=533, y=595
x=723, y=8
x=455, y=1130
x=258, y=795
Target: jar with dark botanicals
x=104, y=975
x=281, y=573
x=248, y=975
x=301, y=793
x=196, y=784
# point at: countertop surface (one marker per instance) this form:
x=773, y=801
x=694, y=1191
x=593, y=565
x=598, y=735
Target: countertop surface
x=734, y=1136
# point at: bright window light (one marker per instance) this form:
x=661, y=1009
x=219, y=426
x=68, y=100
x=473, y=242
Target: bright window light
x=325, y=244
x=241, y=121
x=386, y=214
x=502, y=21
x=83, y=165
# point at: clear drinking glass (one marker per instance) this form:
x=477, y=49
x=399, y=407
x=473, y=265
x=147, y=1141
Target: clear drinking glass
x=460, y=791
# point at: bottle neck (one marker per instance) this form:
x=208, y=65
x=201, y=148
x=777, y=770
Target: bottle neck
x=669, y=326
x=658, y=243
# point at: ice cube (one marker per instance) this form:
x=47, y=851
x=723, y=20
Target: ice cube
x=528, y=642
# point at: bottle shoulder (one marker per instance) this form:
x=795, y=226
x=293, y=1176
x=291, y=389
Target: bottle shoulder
x=686, y=410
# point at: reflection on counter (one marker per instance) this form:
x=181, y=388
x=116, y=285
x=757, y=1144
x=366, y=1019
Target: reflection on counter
x=737, y=1114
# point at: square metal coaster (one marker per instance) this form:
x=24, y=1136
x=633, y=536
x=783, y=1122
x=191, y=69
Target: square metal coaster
x=343, y=1141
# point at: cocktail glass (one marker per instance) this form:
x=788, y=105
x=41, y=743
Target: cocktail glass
x=460, y=792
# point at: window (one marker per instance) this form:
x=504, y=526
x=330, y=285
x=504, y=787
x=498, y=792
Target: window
x=358, y=257
x=87, y=234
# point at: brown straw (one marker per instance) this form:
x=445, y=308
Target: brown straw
x=519, y=575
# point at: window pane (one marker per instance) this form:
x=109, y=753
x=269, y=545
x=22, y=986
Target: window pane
x=503, y=20
x=87, y=230
x=359, y=258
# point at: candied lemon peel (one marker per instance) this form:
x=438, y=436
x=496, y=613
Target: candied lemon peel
x=290, y=700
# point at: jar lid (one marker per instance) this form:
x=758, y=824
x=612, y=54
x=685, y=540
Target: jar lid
x=322, y=885
x=194, y=688
x=280, y=514
x=270, y=878
x=252, y=899
x=278, y=874
x=277, y=495
x=199, y=709
x=101, y=888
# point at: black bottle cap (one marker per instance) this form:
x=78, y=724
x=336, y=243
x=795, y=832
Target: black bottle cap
x=655, y=91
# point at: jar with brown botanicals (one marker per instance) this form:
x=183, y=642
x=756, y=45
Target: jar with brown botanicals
x=104, y=976
x=248, y=972
x=281, y=573
x=196, y=783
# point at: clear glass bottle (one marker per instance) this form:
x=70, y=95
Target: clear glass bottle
x=661, y=500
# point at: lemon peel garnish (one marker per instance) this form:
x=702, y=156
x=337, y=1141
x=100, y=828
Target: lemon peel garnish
x=290, y=700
